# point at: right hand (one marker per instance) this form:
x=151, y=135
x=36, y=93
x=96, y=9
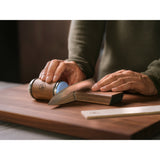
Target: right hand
x=67, y=71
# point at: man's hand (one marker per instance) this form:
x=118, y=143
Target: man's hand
x=67, y=71
x=126, y=80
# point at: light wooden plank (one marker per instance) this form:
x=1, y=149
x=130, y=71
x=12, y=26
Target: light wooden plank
x=121, y=112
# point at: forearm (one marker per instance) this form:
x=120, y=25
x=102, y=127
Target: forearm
x=84, y=43
x=153, y=71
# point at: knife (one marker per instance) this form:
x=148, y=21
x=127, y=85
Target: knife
x=68, y=94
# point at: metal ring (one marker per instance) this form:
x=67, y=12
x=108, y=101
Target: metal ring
x=30, y=87
x=55, y=88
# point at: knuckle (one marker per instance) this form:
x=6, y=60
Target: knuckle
x=114, y=76
x=55, y=61
x=43, y=73
x=111, y=76
x=128, y=71
x=49, y=74
x=63, y=64
x=120, y=71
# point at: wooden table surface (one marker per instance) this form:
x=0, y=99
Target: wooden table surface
x=12, y=131
x=17, y=106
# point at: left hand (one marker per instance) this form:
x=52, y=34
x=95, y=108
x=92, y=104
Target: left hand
x=126, y=80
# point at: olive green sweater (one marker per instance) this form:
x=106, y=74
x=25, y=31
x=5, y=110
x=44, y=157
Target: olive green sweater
x=133, y=45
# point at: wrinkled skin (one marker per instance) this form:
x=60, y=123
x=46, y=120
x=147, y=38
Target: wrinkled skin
x=126, y=80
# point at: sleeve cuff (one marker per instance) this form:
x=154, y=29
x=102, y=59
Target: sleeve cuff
x=155, y=80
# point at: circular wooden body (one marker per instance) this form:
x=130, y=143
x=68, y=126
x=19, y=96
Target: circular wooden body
x=41, y=90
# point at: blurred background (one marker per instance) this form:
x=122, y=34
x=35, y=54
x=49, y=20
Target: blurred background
x=26, y=46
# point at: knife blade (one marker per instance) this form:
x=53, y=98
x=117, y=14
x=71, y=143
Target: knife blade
x=67, y=95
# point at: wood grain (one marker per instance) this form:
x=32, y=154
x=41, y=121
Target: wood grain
x=41, y=90
x=17, y=106
x=106, y=98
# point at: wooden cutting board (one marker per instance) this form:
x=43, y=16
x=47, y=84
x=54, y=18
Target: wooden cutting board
x=17, y=106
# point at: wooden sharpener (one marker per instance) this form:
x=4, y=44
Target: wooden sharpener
x=60, y=93
x=40, y=90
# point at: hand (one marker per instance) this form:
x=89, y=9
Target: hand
x=67, y=71
x=126, y=80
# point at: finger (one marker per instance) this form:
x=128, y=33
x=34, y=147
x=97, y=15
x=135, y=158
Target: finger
x=117, y=83
x=60, y=69
x=107, y=80
x=44, y=72
x=127, y=86
x=40, y=75
x=72, y=73
x=51, y=70
x=102, y=79
x=113, y=77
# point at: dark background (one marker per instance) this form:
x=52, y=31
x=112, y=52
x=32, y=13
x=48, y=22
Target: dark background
x=26, y=46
